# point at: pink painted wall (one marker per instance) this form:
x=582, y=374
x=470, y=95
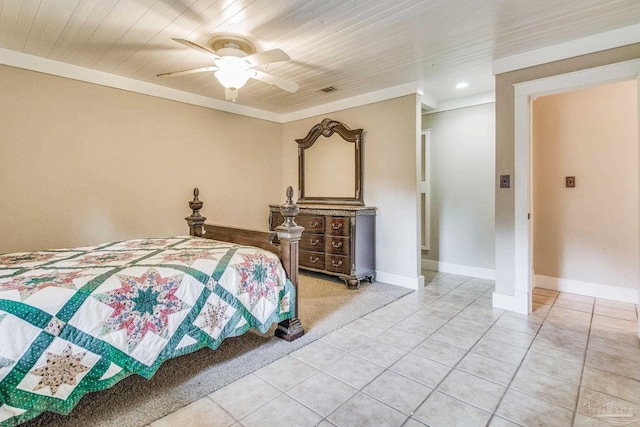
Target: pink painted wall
x=590, y=232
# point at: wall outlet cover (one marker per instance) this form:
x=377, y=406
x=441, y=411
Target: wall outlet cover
x=505, y=181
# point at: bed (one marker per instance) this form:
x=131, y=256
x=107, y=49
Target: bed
x=78, y=320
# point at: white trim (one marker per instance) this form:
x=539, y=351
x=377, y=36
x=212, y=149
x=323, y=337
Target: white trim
x=611, y=73
x=70, y=71
x=467, y=101
x=427, y=100
x=607, y=40
x=518, y=303
x=521, y=184
x=463, y=270
x=523, y=93
x=597, y=290
x=424, y=188
x=356, y=101
x=75, y=72
x=414, y=283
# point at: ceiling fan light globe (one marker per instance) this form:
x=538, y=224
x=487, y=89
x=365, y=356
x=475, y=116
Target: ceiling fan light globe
x=233, y=72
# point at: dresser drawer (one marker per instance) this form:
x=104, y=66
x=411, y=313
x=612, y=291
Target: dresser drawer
x=312, y=242
x=337, y=264
x=311, y=224
x=337, y=245
x=337, y=226
x=312, y=259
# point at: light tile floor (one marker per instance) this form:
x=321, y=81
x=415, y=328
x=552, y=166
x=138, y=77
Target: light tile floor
x=444, y=357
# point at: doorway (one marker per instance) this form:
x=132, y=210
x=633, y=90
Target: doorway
x=584, y=213
x=524, y=93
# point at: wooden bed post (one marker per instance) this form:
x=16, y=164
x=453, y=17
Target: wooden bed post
x=289, y=234
x=195, y=221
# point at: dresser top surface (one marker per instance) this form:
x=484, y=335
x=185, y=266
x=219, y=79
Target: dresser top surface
x=331, y=209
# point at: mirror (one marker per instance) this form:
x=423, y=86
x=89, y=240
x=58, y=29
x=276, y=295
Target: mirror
x=330, y=164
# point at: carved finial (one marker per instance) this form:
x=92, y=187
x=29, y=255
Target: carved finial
x=289, y=195
x=195, y=205
x=196, y=221
x=289, y=209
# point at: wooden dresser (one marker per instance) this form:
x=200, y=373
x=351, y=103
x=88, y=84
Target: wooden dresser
x=337, y=240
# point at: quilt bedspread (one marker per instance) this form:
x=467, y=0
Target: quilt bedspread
x=73, y=321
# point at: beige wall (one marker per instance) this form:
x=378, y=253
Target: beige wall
x=82, y=164
x=505, y=243
x=389, y=168
x=587, y=233
x=462, y=169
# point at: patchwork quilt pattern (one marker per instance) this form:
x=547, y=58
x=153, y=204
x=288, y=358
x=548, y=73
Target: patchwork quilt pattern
x=73, y=321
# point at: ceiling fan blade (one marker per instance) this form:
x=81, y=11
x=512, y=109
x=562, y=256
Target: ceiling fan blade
x=275, y=55
x=230, y=94
x=276, y=81
x=197, y=47
x=182, y=73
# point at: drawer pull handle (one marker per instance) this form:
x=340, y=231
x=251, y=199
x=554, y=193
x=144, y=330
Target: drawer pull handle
x=336, y=245
x=314, y=224
x=315, y=242
x=335, y=263
x=314, y=260
x=336, y=226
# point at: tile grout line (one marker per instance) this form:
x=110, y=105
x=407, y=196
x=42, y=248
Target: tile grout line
x=409, y=351
x=422, y=306
x=467, y=352
x=386, y=369
x=508, y=387
x=584, y=365
x=321, y=369
x=432, y=333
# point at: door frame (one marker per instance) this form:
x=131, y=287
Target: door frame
x=524, y=93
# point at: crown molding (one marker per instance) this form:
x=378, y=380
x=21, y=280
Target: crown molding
x=355, y=101
x=607, y=40
x=75, y=72
x=467, y=101
x=428, y=101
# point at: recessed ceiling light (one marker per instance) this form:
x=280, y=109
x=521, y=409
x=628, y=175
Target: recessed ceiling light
x=462, y=85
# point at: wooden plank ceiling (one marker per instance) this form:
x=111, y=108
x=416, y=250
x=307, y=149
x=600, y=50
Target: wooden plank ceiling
x=357, y=46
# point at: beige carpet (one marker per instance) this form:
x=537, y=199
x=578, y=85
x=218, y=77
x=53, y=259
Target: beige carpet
x=325, y=305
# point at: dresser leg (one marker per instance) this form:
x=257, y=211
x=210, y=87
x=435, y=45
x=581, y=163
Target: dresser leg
x=352, y=283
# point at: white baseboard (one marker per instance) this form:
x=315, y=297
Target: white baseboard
x=463, y=270
x=597, y=290
x=414, y=283
x=518, y=303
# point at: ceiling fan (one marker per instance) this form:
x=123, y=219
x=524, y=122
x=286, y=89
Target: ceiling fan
x=234, y=60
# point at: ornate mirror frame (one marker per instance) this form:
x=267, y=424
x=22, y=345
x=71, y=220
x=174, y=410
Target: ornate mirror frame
x=327, y=128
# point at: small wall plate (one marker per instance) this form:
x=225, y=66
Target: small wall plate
x=570, y=181
x=505, y=181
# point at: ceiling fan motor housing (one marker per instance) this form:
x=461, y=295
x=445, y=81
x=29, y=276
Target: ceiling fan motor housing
x=226, y=45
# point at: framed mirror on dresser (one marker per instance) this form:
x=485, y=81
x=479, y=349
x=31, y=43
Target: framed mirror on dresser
x=339, y=235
